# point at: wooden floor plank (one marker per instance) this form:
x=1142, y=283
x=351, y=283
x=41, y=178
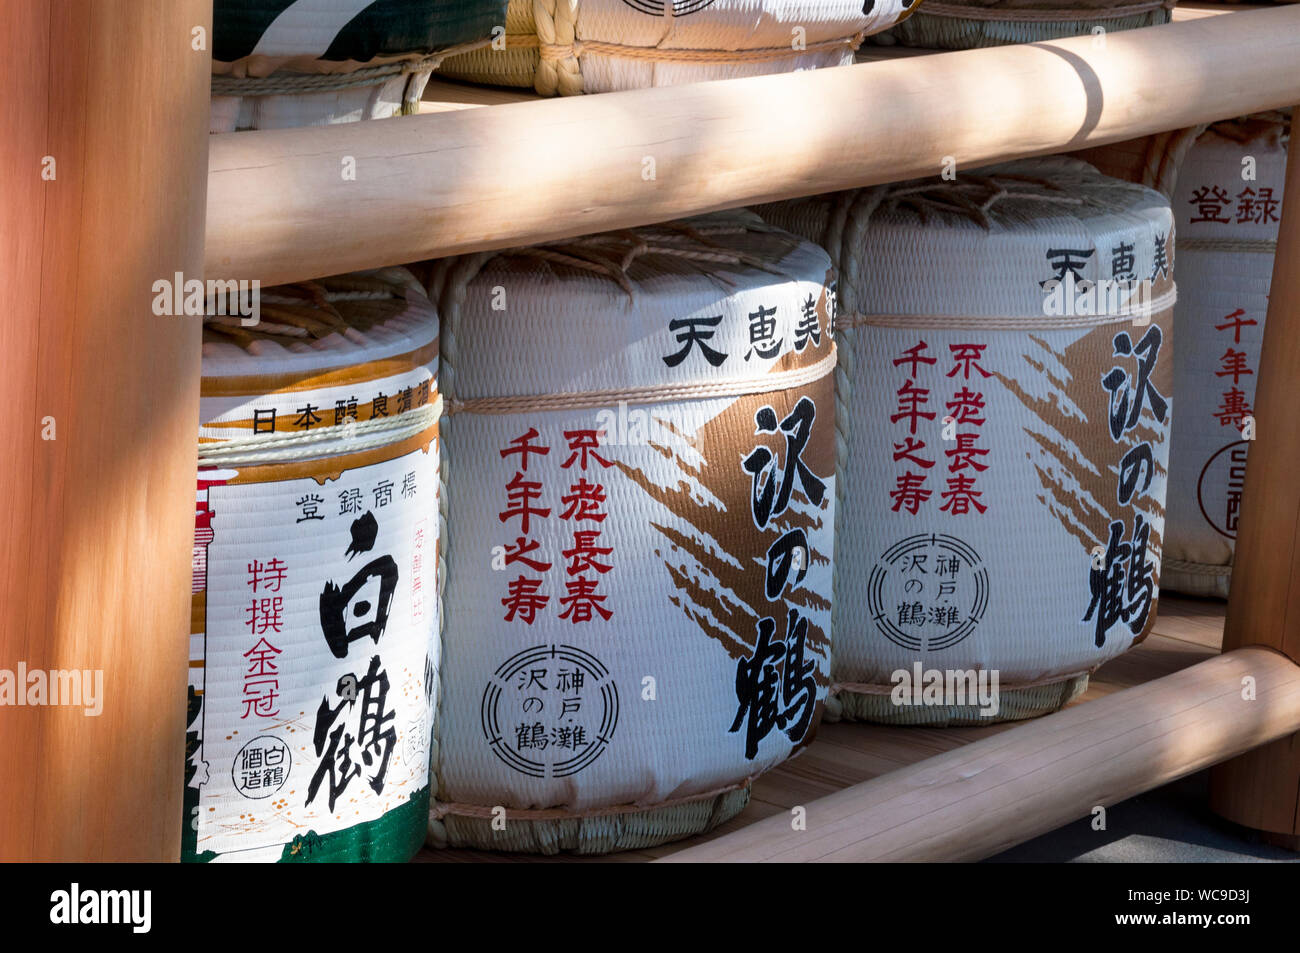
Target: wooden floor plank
x=1187, y=631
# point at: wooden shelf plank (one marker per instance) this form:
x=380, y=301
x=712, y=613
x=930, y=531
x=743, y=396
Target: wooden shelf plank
x=280, y=208
x=1198, y=11
x=983, y=798
x=1187, y=631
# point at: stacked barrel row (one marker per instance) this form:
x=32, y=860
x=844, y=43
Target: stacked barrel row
x=561, y=547
x=284, y=63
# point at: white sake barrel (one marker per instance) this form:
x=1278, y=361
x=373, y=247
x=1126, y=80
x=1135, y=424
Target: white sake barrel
x=282, y=63
x=1228, y=204
x=593, y=46
x=966, y=24
x=1005, y=418
x=639, y=466
x=313, y=637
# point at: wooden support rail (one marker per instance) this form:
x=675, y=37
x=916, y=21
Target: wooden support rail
x=992, y=794
x=283, y=206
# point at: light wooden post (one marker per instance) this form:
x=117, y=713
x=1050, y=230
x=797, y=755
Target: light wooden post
x=1261, y=789
x=103, y=169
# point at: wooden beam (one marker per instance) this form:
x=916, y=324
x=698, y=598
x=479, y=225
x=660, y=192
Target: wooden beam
x=995, y=793
x=1198, y=11
x=1262, y=788
x=102, y=164
x=282, y=206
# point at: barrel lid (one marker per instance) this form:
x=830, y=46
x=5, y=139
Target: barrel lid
x=985, y=242
x=312, y=327
x=663, y=305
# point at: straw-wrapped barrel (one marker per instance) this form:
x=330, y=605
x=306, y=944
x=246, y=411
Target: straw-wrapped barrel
x=639, y=465
x=313, y=637
x=282, y=63
x=1005, y=392
x=1228, y=205
x=573, y=46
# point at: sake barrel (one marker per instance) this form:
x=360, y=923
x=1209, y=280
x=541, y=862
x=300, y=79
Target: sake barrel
x=282, y=63
x=950, y=25
x=313, y=635
x=639, y=466
x=1228, y=205
x=1005, y=397
x=575, y=46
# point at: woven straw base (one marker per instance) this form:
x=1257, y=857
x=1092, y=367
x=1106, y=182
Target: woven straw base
x=597, y=834
x=947, y=33
x=1013, y=705
x=509, y=67
x=1196, y=579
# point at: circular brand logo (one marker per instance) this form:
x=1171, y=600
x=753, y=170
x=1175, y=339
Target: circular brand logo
x=549, y=711
x=261, y=767
x=928, y=592
x=680, y=8
x=1218, y=491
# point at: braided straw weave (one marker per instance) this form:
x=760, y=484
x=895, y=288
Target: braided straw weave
x=566, y=47
x=935, y=265
x=582, y=331
x=960, y=26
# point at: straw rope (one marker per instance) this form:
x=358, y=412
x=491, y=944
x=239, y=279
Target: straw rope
x=845, y=369
x=287, y=83
x=609, y=254
x=558, y=67
x=315, y=310
x=556, y=24
x=973, y=196
x=1011, y=323
x=657, y=393
x=436, y=833
x=1002, y=14
x=308, y=310
x=363, y=435
x=1267, y=246
x=1164, y=158
x=1203, y=569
